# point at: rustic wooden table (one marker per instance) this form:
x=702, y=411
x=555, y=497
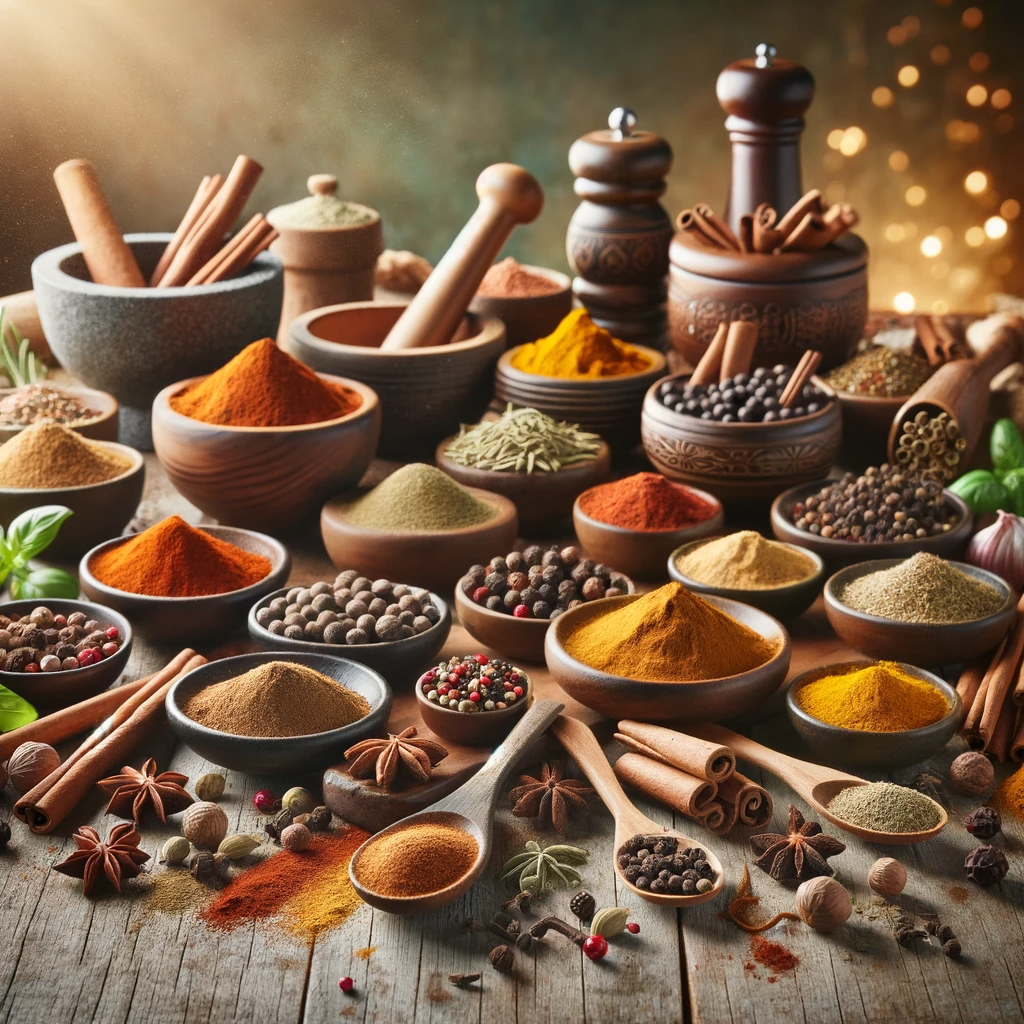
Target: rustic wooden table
x=64, y=958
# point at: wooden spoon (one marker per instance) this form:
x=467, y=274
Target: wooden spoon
x=816, y=783
x=581, y=743
x=470, y=808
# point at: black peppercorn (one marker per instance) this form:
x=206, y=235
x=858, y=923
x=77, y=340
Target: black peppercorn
x=634, y=844
x=319, y=819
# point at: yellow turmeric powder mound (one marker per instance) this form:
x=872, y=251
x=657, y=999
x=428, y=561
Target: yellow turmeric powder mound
x=1009, y=797
x=579, y=348
x=878, y=698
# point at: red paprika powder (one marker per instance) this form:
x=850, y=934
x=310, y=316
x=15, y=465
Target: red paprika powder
x=645, y=501
x=509, y=279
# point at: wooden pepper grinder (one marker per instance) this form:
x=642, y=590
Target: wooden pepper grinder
x=766, y=98
x=618, y=238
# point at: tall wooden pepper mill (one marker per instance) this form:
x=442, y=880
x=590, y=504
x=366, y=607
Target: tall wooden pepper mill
x=618, y=238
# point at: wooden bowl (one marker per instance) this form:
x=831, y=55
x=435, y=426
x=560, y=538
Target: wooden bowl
x=528, y=317
x=640, y=554
x=102, y=427
x=431, y=559
x=265, y=478
x=398, y=661
x=609, y=406
x=425, y=393
x=843, y=552
x=783, y=602
x=188, y=619
x=710, y=700
x=514, y=639
x=58, y=689
x=739, y=462
x=918, y=643
x=866, y=423
x=290, y=755
x=542, y=500
x=483, y=729
x=99, y=509
x=879, y=751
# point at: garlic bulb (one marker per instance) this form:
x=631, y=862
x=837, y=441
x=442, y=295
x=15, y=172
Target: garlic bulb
x=999, y=548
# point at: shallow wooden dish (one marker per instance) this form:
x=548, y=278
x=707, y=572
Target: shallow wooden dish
x=843, y=552
x=264, y=478
x=99, y=509
x=879, y=751
x=57, y=689
x=542, y=500
x=188, y=619
x=528, y=317
x=640, y=554
x=709, y=700
x=483, y=729
x=103, y=427
x=783, y=602
x=259, y=755
x=740, y=462
x=398, y=661
x=431, y=559
x=917, y=643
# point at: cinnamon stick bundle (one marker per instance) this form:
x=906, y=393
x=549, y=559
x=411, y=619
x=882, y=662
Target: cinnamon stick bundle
x=1017, y=743
x=721, y=817
x=972, y=718
x=238, y=253
x=997, y=746
x=753, y=803
x=714, y=225
x=809, y=204
x=1005, y=675
x=208, y=188
x=970, y=682
x=805, y=370
x=686, y=793
x=700, y=758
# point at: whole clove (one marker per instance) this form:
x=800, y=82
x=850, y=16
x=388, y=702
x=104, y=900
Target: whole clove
x=463, y=980
x=552, y=923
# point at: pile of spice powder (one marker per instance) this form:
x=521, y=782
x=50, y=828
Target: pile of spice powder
x=880, y=371
x=773, y=955
x=578, y=349
x=645, y=501
x=173, y=559
x=320, y=211
x=264, y=387
x=38, y=403
x=52, y=455
x=173, y=891
x=278, y=698
x=1009, y=797
x=419, y=498
x=886, y=807
x=746, y=561
x=924, y=588
x=509, y=279
x=669, y=635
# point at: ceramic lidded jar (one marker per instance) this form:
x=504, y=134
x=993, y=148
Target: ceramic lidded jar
x=329, y=248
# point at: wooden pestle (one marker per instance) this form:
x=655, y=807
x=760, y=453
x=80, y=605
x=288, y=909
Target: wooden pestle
x=509, y=195
x=107, y=255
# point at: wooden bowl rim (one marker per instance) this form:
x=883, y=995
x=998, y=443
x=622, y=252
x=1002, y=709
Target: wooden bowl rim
x=626, y=532
x=563, y=280
x=138, y=465
x=578, y=469
x=499, y=714
x=517, y=376
x=104, y=397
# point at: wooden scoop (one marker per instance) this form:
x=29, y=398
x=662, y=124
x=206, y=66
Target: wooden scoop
x=509, y=195
x=816, y=783
x=581, y=743
x=470, y=808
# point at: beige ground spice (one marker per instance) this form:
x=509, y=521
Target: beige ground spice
x=52, y=455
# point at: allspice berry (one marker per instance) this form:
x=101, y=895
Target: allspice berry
x=502, y=959
x=972, y=773
x=823, y=903
x=205, y=825
x=887, y=877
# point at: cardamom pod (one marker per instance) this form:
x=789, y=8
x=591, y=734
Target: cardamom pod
x=238, y=846
x=209, y=787
x=175, y=850
x=609, y=922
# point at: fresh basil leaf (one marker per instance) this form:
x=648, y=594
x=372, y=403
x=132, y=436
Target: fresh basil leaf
x=32, y=532
x=982, y=491
x=45, y=582
x=1013, y=484
x=1006, y=446
x=15, y=711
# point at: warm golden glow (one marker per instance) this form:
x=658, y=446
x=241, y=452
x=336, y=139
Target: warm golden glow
x=943, y=234
x=996, y=227
x=974, y=236
x=1002, y=264
x=978, y=62
x=896, y=36
x=903, y=302
x=883, y=96
x=908, y=75
x=962, y=131
x=898, y=160
x=940, y=270
x=1001, y=99
x=930, y=246
x=911, y=24
x=895, y=233
x=976, y=182
x=1010, y=209
x=976, y=95
x=835, y=192
x=972, y=17
x=940, y=54
x=835, y=138
x=915, y=195
x=854, y=140
x=940, y=307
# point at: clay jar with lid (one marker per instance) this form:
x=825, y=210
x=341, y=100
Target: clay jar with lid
x=328, y=264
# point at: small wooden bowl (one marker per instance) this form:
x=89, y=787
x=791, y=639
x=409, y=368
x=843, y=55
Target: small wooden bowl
x=843, y=552
x=710, y=700
x=528, y=317
x=918, y=643
x=398, y=661
x=58, y=689
x=783, y=602
x=99, y=509
x=740, y=462
x=514, y=639
x=640, y=554
x=188, y=619
x=483, y=729
x=288, y=755
x=431, y=559
x=866, y=423
x=542, y=500
x=264, y=478
x=102, y=427
x=879, y=751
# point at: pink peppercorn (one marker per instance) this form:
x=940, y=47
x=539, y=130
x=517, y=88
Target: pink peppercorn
x=475, y=696
x=481, y=659
x=346, y=984
x=109, y=649
x=112, y=633
x=521, y=611
x=517, y=690
x=480, y=595
x=264, y=801
x=633, y=928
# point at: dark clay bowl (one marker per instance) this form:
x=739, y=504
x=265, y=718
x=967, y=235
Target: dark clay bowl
x=483, y=729
x=528, y=317
x=398, y=661
x=783, y=602
x=57, y=689
x=917, y=643
x=259, y=755
x=867, y=420
x=101, y=427
x=711, y=700
x=188, y=619
x=879, y=751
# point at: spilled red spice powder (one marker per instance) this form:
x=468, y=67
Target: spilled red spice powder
x=645, y=501
x=958, y=894
x=773, y=955
x=509, y=279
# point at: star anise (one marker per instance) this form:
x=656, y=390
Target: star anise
x=548, y=798
x=385, y=758
x=119, y=857
x=134, y=790
x=801, y=853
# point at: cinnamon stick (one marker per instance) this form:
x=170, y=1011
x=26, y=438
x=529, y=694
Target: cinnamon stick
x=700, y=758
x=929, y=340
x=767, y=238
x=714, y=817
x=753, y=803
x=1006, y=673
x=949, y=345
x=250, y=230
x=998, y=744
x=805, y=370
x=970, y=681
x=717, y=225
x=686, y=793
x=1017, y=743
x=710, y=365
x=747, y=233
x=808, y=203
x=696, y=229
x=740, y=343
x=244, y=255
x=973, y=717
x=200, y=201
x=729, y=817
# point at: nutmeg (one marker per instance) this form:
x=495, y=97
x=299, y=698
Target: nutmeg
x=887, y=876
x=296, y=838
x=204, y=824
x=30, y=764
x=209, y=787
x=972, y=773
x=823, y=903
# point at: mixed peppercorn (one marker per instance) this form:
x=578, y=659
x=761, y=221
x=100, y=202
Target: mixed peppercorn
x=44, y=642
x=474, y=683
x=657, y=863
